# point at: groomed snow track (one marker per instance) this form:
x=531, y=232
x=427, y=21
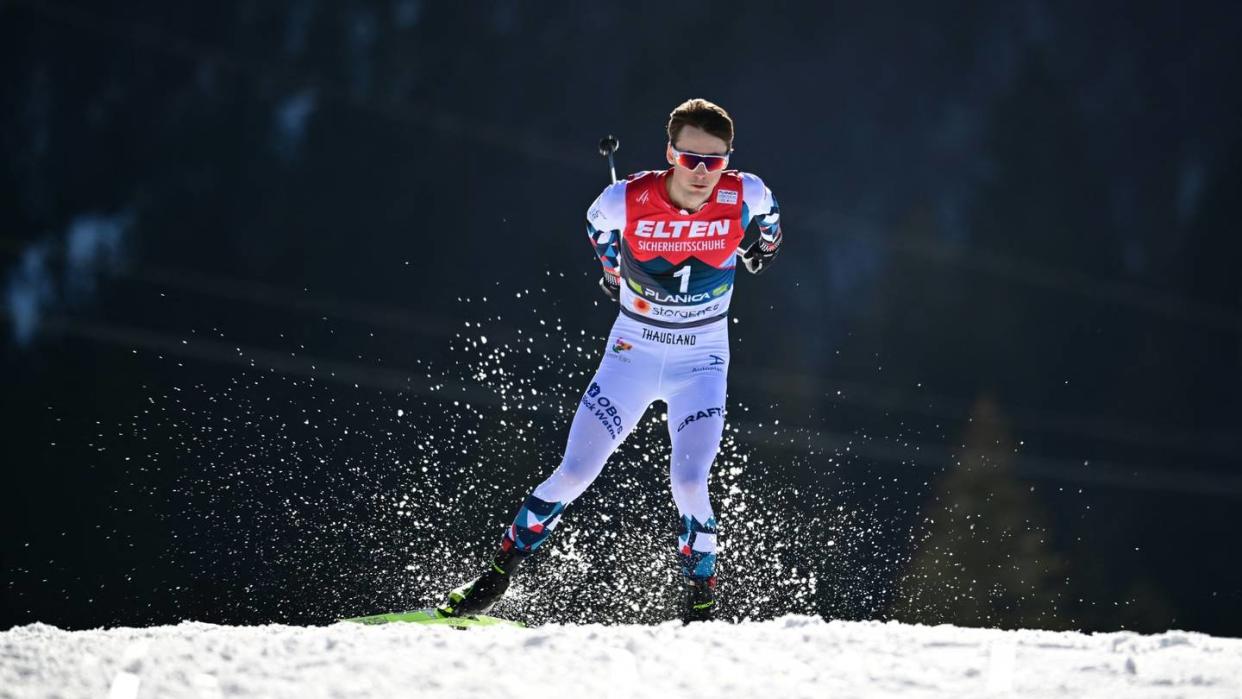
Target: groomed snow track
x=787, y=657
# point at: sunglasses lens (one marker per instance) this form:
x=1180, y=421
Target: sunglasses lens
x=691, y=161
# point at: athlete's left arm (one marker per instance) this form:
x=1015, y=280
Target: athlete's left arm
x=759, y=207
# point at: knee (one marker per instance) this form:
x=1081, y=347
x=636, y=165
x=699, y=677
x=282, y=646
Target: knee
x=575, y=475
x=690, y=471
x=694, y=456
x=573, y=481
x=697, y=442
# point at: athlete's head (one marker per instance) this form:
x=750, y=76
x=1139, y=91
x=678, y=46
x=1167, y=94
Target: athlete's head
x=695, y=128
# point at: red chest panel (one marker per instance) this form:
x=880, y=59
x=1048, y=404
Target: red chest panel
x=655, y=227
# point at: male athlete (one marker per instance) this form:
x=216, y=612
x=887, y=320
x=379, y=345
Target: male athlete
x=668, y=241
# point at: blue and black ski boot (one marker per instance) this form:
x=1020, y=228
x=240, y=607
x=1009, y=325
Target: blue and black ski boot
x=700, y=599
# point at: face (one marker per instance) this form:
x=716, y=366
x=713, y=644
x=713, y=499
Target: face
x=695, y=184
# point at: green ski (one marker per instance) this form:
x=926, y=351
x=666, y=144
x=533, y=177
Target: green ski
x=431, y=616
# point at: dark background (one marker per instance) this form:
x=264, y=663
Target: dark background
x=993, y=378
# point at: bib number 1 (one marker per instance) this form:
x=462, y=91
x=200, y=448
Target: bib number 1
x=684, y=275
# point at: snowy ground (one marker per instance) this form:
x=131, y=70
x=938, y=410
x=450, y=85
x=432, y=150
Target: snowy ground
x=788, y=657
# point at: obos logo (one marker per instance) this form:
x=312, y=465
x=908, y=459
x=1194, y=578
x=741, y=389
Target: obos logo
x=604, y=410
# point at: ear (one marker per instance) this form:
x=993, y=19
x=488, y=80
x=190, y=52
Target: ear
x=668, y=154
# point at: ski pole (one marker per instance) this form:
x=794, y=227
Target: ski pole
x=607, y=146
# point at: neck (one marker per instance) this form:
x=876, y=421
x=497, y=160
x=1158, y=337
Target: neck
x=685, y=200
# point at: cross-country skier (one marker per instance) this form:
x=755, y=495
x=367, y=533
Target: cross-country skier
x=668, y=241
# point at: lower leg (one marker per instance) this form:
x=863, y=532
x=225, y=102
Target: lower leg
x=696, y=555
x=694, y=449
x=695, y=444
x=598, y=427
x=696, y=547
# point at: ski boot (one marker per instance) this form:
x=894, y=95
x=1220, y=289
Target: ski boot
x=700, y=602
x=482, y=593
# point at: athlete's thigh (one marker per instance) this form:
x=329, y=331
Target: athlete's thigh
x=696, y=413
x=622, y=387
x=696, y=397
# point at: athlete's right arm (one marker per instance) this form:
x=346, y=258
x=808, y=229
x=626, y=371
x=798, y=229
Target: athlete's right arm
x=605, y=222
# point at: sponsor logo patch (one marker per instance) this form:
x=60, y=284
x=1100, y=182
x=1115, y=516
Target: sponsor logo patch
x=716, y=364
x=642, y=306
x=700, y=415
x=682, y=245
x=726, y=196
x=662, y=312
x=621, y=346
x=648, y=228
x=659, y=297
x=603, y=409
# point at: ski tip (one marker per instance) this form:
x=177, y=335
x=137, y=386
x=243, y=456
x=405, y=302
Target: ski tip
x=433, y=616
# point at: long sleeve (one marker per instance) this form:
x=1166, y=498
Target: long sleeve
x=760, y=207
x=606, y=244
x=605, y=222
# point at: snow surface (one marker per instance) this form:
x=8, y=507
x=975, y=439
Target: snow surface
x=788, y=657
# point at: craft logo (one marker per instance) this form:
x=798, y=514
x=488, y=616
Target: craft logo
x=642, y=198
x=701, y=415
x=603, y=409
x=726, y=196
x=715, y=365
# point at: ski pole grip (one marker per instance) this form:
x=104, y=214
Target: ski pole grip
x=607, y=146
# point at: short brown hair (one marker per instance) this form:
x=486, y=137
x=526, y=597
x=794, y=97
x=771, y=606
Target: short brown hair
x=702, y=114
